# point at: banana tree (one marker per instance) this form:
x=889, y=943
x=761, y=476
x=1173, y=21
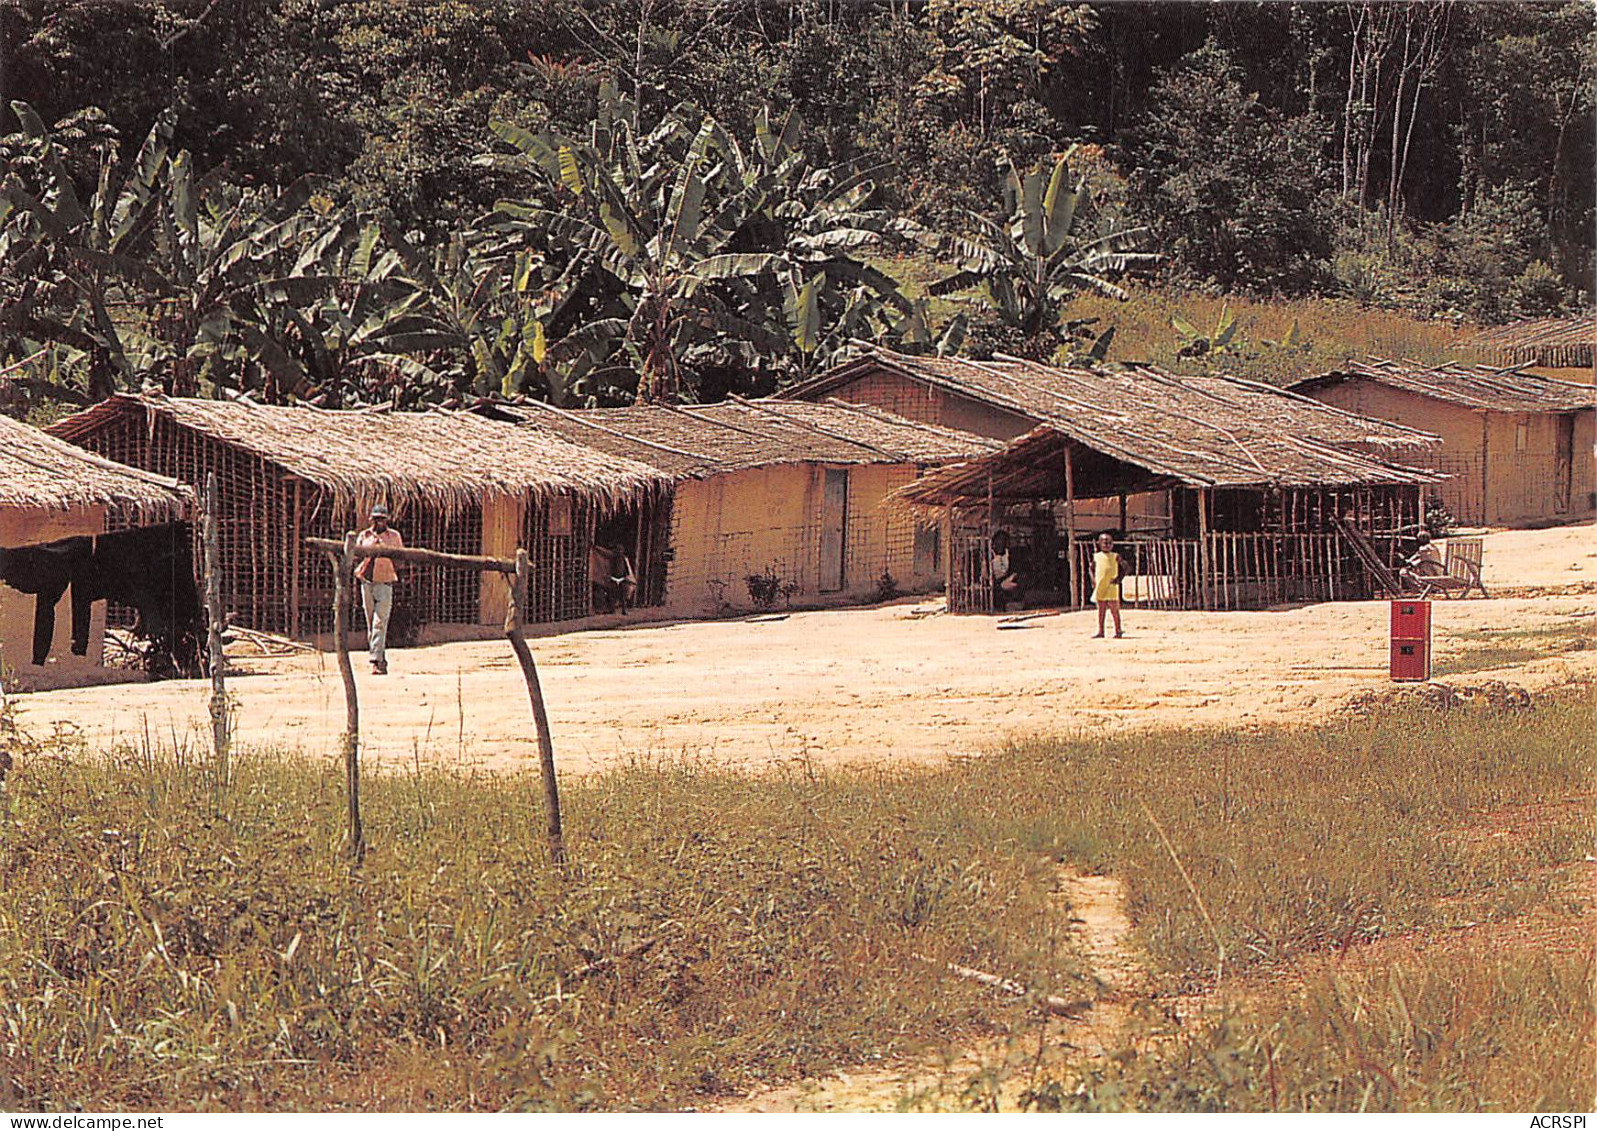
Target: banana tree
x=67, y=262
x=219, y=254
x=716, y=253
x=664, y=233
x=1033, y=263
x=371, y=335
x=1222, y=339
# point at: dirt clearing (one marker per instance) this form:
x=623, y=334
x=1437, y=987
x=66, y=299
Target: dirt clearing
x=887, y=684
x=850, y=685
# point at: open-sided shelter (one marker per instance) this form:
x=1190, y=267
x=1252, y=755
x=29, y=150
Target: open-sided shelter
x=1564, y=348
x=453, y=482
x=1006, y=397
x=1516, y=447
x=778, y=499
x=59, y=505
x=1269, y=495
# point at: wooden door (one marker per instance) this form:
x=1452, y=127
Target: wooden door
x=1564, y=463
x=834, y=520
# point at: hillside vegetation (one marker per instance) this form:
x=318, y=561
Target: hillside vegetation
x=422, y=202
x=1329, y=331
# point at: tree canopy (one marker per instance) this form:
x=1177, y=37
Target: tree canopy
x=419, y=200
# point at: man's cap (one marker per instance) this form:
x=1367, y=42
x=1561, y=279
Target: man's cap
x=379, y=511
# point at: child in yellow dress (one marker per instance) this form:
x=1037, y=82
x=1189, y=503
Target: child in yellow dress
x=1106, y=582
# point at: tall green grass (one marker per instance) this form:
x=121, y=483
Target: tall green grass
x=1330, y=331
x=1489, y=1030
x=167, y=944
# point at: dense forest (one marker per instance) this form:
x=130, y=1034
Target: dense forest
x=417, y=201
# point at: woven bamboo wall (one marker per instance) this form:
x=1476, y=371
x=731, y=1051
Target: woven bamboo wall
x=272, y=584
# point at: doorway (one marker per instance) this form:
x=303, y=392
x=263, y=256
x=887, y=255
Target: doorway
x=834, y=520
x=1564, y=463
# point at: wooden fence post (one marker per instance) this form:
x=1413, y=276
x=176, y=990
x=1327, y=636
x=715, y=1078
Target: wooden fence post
x=343, y=583
x=1071, y=572
x=515, y=619
x=211, y=532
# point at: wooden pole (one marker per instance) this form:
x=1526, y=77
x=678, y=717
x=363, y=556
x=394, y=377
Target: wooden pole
x=948, y=556
x=515, y=619
x=343, y=564
x=1203, y=545
x=1070, y=527
x=1486, y=463
x=211, y=529
x=414, y=554
x=293, y=566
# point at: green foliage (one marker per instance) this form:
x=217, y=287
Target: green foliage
x=1219, y=127
x=1483, y=264
x=1231, y=186
x=705, y=252
x=1040, y=257
x=1221, y=339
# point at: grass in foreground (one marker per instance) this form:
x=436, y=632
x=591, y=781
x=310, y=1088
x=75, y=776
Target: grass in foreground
x=1489, y=648
x=160, y=947
x=1475, y=1031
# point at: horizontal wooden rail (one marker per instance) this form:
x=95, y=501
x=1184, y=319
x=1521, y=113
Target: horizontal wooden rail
x=415, y=554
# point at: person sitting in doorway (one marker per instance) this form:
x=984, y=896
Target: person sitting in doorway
x=1107, y=571
x=1006, y=575
x=611, y=575
x=623, y=580
x=1426, y=561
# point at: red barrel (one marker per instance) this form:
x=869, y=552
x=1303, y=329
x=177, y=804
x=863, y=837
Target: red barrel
x=1411, y=640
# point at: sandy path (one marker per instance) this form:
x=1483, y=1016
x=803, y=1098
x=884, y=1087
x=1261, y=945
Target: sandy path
x=879, y=684
x=1098, y=927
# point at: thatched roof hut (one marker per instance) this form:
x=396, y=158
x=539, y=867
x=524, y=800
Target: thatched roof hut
x=64, y=514
x=454, y=481
x=1008, y=396
x=1516, y=446
x=40, y=472
x=789, y=496
x=698, y=441
x=359, y=457
x=1032, y=466
x=1553, y=343
x=1486, y=387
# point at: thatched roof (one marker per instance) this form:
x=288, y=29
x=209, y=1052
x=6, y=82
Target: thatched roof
x=363, y=456
x=38, y=470
x=695, y=441
x=1033, y=467
x=1133, y=404
x=1205, y=431
x=1559, y=343
x=1473, y=386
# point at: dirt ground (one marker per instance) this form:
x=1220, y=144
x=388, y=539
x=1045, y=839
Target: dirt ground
x=898, y=683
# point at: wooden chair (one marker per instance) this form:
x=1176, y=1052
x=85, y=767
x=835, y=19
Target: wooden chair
x=1464, y=562
x=1461, y=571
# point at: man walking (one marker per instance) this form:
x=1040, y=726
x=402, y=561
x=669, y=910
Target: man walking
x=377, y=577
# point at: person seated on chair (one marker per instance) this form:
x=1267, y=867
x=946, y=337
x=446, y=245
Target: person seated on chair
x=1006, y=575
x=1425, y=562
